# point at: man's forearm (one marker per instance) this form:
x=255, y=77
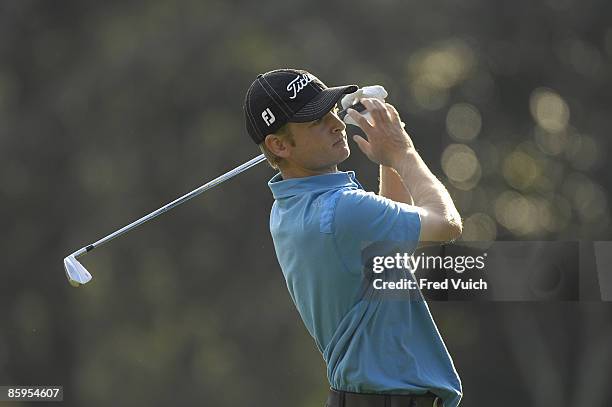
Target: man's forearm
x=391, y=186
x=426, y=190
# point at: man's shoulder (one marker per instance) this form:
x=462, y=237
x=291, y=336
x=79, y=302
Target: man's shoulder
x=348, y=198
x=374, y=216
x=360, y=199
x=354, y=206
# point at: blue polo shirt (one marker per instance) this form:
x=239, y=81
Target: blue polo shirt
x=371, y=342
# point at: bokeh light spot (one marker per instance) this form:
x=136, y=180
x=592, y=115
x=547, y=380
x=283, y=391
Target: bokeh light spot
x=463, y=122
x=479, y=227
x=520, y=170
x=549, y=110
x=433, y=70
x=583, y=152
x=517, y=213
x=461, y=166
x=550, y=143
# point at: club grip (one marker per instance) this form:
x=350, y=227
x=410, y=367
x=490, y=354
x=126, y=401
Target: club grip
x=357, y=106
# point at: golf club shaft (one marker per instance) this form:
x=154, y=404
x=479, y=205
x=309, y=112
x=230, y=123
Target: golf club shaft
x=251, y=163
x=173, y=204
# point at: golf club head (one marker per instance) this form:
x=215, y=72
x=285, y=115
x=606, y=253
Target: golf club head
x=76, y=273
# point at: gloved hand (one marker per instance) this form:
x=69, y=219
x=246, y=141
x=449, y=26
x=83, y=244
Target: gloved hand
x=374, y=91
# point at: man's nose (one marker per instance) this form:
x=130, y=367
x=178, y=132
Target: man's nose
x=338, y=124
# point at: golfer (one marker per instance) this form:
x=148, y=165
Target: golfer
x=380, y=350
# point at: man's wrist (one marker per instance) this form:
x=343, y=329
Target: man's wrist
x=403, y=159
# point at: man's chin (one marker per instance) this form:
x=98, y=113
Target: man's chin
x=346, y=153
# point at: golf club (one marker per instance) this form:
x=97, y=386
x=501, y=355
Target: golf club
x=78, y=275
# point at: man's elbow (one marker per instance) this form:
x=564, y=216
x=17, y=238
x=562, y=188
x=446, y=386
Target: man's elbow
x=450, y=227
x=454, y=229
x=439, y=227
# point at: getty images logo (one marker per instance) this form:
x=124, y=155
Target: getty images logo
x=268, y=117
x=298, y=84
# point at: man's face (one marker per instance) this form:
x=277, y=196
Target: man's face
x=319, y=147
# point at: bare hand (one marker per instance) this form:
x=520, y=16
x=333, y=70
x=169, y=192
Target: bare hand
x=387, y=143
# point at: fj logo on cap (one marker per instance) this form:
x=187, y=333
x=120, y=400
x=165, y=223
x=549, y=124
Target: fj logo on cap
x=298, y=84
x=268, y=116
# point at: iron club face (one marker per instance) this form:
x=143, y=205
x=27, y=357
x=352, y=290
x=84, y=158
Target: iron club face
x=75, y=272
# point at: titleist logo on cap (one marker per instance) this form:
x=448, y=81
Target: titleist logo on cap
x=298, y=84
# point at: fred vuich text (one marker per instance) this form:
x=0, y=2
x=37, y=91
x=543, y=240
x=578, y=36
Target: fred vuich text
x=425, y=284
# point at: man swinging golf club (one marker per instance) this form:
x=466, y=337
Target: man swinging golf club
x=379, y=350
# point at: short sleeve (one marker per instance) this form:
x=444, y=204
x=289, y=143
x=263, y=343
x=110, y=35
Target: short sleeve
x=368, y=217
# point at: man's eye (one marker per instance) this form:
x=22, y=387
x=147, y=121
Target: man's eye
x=319, y=120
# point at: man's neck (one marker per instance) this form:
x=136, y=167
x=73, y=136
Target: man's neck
x=294, y=172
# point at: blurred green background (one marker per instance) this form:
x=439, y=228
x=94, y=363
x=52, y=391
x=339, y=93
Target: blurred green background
x=109, y=111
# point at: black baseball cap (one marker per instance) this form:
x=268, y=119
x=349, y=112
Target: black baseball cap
x=287, y=95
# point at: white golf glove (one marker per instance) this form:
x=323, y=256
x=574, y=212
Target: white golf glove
x=374, y=91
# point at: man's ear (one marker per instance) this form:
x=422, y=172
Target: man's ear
x=279, y=146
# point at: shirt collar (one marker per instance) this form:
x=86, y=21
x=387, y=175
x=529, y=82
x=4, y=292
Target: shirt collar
x=296, y=186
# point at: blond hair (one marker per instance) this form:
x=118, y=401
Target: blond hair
x=283, y=133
